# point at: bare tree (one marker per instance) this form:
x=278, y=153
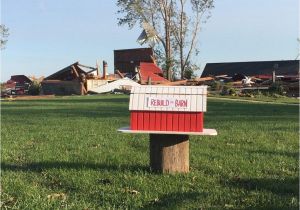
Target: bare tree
x=176, y=32
x=156, y=13
x=3, y=35
x=298, y=39
x=186, y=30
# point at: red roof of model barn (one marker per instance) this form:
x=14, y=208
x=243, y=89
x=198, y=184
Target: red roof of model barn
x=150, y=70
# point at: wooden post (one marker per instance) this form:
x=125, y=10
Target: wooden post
x=104, y=69
x=149, y=81
x=273, y=77
x=169, y=153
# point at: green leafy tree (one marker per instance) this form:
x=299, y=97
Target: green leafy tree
x=171, y=27
x=34, y=88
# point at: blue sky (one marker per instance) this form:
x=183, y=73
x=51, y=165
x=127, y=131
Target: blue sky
x=47, y=35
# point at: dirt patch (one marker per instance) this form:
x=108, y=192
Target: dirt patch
x=26, y=97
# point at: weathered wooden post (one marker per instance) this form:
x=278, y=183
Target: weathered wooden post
x=169, y=153
x=169, y=114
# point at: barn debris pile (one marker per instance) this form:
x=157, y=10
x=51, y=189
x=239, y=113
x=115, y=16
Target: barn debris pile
x=79, y=79
x=134, y=67
x=16, y=85
x=242, y=78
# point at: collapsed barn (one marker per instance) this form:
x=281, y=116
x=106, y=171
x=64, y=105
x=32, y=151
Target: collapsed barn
x=127, y=60
x=259, y=69
x=67, y=81
x=77, y=79
x=139, y=64
x=257, y=75
x=16, y=85
x=132, y=67
x=74, y=79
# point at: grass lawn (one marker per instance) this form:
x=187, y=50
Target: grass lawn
x=281, y=99
x=65, y=153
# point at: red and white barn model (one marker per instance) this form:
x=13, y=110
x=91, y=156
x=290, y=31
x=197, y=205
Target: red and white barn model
x=167, y=108
x=169, y=114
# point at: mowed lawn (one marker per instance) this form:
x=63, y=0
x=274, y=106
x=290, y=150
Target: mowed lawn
x=65, y=153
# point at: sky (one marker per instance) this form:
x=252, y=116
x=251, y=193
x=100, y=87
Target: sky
x=48, y=35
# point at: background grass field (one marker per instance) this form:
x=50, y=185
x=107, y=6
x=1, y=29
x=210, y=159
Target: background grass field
x=65, y=153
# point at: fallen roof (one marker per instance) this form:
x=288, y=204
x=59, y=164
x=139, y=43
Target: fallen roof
x=118, y=84
x=287, y=67
x=150, y=70
x=66, y=73
x=20, y=79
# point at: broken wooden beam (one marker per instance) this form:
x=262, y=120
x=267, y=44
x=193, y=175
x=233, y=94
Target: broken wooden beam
x=75, y=71
x=120, y=74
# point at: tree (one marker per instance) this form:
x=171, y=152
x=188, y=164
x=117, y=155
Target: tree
x=176, y=32
x=187, y=32
x=298, y=39
x=3, y=35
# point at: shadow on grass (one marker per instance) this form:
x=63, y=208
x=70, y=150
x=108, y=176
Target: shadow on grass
x=178, y=200
x=294, y=155
x=101, y=112
x=75, y=100
x=282, y=187
x=40, y=166
x=181, y=200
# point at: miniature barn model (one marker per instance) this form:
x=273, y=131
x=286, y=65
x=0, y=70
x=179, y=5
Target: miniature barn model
x=167, y=108
x=169, y=114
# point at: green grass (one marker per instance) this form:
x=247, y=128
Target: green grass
x=65, y=153
x=262, y=98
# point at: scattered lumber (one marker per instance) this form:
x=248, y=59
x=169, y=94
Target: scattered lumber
x=203, y=79
x=181, y=82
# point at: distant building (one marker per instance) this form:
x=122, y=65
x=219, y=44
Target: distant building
x=18, y=85
x=127, y=60
x=21, y=79
x=254, y=68
x=66, y=81
x=77, y=79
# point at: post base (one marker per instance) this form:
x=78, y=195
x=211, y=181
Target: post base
x=169, y=153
